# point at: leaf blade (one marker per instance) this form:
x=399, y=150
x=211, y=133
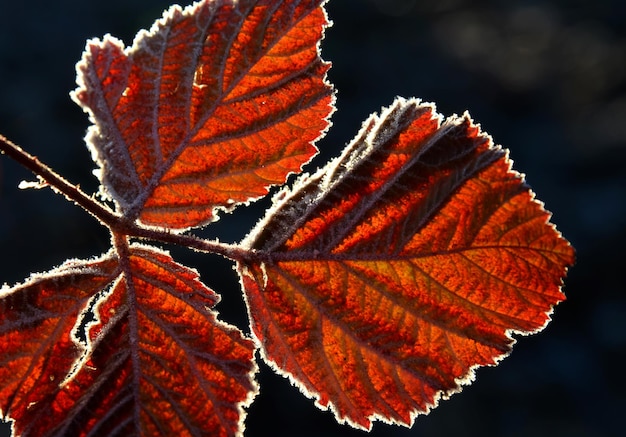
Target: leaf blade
x=181, y=372
x=38, y=326
x=234, y=105
x=391, y=274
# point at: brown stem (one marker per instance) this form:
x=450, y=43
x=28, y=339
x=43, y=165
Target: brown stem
x=230, y=251
x=57, y=182
x=118, y=225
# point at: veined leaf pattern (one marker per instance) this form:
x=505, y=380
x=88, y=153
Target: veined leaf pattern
x=215, y=104
x=377, y=284
x=38, y=331
x=398, y=268
x=157, y=361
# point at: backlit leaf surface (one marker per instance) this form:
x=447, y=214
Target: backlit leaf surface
x=37, y=324
x=378, y=284
x=393, y=272
x=157, y=361
x=216, y=103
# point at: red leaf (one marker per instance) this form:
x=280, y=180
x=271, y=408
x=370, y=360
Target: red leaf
x=38, y=320
x=377, y=284
x=401, y=266
x=158, y=362
x=215, y=104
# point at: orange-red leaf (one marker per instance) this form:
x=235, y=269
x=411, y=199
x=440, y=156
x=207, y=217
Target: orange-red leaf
x=393, y=272
x=213, y=105
x=157, y=361
x=38, y=324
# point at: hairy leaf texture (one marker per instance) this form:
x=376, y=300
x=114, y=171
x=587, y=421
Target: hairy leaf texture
x=156, y=361
x=38, y=322
x=377, y=284
x=397, y=269
x=216, y=103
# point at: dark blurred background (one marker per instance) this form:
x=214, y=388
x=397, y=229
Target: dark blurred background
x=546, y=78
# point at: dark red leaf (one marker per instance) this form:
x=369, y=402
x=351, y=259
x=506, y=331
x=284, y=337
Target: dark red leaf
x=158, y=362
x=378, y=284
x=216, y=103
x=38, y=327
x=393, y=272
